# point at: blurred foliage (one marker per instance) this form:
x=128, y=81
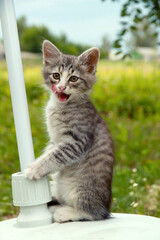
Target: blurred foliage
x=127, y=96
x=134, y=12
x=143, y=35
x=32, y=37
x=105, y=47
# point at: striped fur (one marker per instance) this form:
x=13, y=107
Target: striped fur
x=80, y=153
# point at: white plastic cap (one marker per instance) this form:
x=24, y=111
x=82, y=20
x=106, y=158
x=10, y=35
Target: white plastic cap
x=28, y=193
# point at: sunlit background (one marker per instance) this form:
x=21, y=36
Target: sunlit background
x=126, y=95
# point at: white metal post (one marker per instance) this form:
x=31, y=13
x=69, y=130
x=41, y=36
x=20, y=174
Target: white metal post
x=16, y=81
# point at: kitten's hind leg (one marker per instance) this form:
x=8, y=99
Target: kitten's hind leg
x=66, y=213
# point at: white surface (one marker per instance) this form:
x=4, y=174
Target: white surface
x=120, y=227
x=16, y=81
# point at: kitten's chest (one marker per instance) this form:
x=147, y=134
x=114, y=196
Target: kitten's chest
x=57, y=124
x=55, y=128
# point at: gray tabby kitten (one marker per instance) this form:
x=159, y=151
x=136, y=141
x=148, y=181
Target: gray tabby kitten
x=80, y=152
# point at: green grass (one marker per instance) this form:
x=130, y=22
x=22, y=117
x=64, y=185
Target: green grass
x=127, y=96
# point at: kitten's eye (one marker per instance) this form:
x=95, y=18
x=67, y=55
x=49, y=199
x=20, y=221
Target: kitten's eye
x=73, y=79
x=56, y=76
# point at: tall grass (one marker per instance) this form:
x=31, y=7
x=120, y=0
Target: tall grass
x=127, y=96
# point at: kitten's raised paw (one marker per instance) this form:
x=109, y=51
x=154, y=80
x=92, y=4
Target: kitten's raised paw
x=33, y=172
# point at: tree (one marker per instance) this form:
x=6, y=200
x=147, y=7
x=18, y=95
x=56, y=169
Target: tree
x=143, y=36
x=132, y=13
x=22, y=25
x=105, y=47
x=32, y=38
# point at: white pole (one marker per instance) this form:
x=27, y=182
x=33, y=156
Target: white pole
x=31, y=196
x=16, y=81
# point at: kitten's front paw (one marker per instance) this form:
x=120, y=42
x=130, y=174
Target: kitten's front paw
x=34, y=171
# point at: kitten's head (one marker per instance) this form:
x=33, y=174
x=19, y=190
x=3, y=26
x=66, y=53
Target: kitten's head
x=69, y=77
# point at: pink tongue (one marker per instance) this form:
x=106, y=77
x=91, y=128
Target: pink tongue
x=54, y=89
x=62, y=97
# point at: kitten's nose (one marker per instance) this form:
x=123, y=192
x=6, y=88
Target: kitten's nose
x=62, y=88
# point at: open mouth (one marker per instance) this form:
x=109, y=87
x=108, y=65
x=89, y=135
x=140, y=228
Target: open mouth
x=61, y=95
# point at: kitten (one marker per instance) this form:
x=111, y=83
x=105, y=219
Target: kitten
x=80, y=153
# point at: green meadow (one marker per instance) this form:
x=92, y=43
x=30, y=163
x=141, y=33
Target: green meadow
x=127, y=96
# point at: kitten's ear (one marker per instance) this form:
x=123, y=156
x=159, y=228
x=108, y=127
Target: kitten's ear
x=89, y=59
x=51, y=54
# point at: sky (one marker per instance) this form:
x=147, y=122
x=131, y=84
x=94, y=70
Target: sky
x=83, y=21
